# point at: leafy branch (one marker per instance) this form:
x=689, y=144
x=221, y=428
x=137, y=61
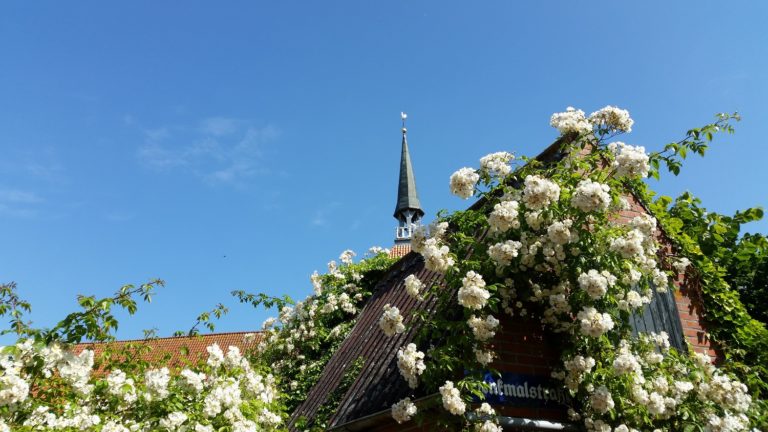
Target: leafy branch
x=695, y=141
x=11, y=304
x=96, y=321
x=205, y=319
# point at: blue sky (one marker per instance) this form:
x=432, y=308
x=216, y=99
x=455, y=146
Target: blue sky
x=242, y=145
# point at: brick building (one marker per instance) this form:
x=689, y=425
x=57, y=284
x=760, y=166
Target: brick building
x=525, y=397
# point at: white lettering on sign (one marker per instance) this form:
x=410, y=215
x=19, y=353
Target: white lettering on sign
x=539, y=392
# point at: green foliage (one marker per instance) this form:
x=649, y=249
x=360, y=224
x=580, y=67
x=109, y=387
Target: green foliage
x=725, y=267
x=11, y=304
x=309, y=335
x=96, y=322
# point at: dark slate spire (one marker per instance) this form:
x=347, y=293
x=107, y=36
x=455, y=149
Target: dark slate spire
x=408, y=210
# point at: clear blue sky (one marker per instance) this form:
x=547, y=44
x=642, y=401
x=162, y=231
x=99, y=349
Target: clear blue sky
x=241, y=145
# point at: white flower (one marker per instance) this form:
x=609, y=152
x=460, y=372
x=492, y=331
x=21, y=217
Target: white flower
x=539, y=192
x=660, y=280
x=347, y=256
x=436, y=256
x=215, y=355
x=504, y=216
x=626, y=362
x=485, y=409
x=629, y=246
x=484, y=357
x=413, y=286
x=317, y=284
x=633, y=300
x=488, y=426
x=612, y=117
x=391, y=321
x=267, y=417
x=497, y=164
x=559, y=232
x=463, y=182
x=375, y=250
x=645, y=223
x=266, y=325
x=225, y=394
x=472, y=294
x=601, y=400
x=503, y=253
x=173, y=420
x=593, y=323
x=452, y=399
x=76, y=370
x=112, y=426
x=118, y=384
x=591, y=196
x=234, y=358
x=572, y=120
x=579, y=364
x=403, y=410
x=631, y=161
x=410, y=362
x=483, y=329
x=681, y=264
x=13, y=389
x=422, y=233
x=156, y=382
x=596, y=284
x=193, y=380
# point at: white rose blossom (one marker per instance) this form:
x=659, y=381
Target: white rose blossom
x=594, y=323
x=505, y=216
x=403, y=410
x=540, y=192
x=391, y=322
x=463, y=182
x=572, y=120
x=437, y=256
x=497, y=164
x=413, y=286
x=612, y=117
x=591, y=196
x=601, y=400
x=595, y=283
x=503, y=253
x=630, y=161
x=472, y=294
x=483, y=329
x=410, y=363
x=452, y=399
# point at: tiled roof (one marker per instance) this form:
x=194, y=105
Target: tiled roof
x=174, y=351
x=399, y=250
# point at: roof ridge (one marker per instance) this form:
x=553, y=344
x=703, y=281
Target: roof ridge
x=170, y=337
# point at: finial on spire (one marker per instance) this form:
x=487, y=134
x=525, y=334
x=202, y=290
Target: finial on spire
x=403, y=116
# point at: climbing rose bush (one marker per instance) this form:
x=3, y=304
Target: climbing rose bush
x=547, y=242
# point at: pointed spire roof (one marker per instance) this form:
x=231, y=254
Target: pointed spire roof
x=407, y=197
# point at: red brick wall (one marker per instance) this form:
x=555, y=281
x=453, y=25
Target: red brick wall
x=524, y=347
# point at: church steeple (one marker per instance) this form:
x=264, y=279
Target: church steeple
x=408, y=211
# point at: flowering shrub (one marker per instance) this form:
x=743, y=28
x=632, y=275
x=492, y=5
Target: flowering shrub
x=547, y=241
x=47, y=387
